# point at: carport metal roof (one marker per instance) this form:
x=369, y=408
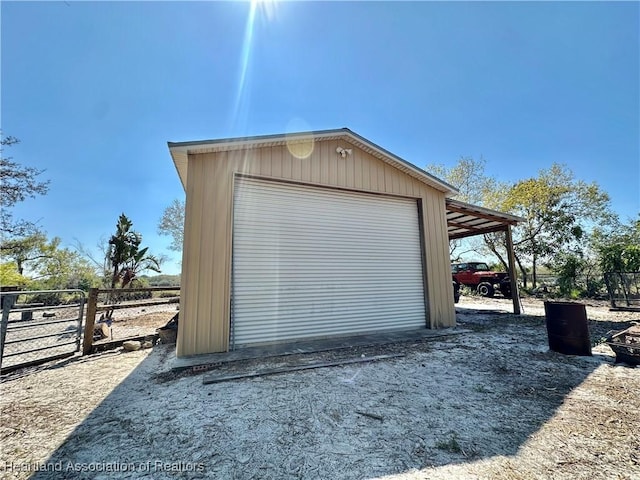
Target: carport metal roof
x=466, y=220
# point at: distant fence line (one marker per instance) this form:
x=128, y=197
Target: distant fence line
x=593, y=283
x=624, y=289
x=112, y=303
x=551, y=278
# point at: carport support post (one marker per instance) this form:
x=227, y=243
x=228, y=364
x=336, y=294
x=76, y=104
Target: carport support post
x=92, y=304
x=515, y=295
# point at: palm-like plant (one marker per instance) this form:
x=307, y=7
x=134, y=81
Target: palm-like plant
x=125, y=256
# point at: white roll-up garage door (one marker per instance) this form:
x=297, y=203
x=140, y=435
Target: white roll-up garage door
x=310, y=262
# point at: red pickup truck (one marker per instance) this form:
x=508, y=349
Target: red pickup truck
x=479, y=277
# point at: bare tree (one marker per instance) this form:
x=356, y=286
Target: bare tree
x=172, y=224
x=17, y=183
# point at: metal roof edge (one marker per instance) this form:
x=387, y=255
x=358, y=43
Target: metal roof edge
x=258, y=138
x=446, y=187
x=487, y=211
x=180, y=151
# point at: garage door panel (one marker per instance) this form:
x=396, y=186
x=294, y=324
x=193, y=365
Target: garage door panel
x=314, y=262
x=376, y=319
x=274, y=303
x=305, y=272
x=292, y=329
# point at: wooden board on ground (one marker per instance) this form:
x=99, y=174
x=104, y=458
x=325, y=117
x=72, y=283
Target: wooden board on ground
x=216, y=378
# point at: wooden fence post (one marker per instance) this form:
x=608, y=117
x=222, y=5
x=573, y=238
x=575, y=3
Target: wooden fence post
x=92, y=304
x=513, y=276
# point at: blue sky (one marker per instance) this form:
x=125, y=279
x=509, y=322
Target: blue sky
x=95, y=90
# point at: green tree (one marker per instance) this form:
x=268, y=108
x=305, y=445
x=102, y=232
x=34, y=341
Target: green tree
x=9, y=275
x=44, y=264
x=66, y=269
x=172, y=224
x=558, y=212
x=619, y=257
x=619, y=249
x=569, y=266
x=469, y=177
x=125, y=256
x=29, y=250
x=17, y=183
x=476, y=187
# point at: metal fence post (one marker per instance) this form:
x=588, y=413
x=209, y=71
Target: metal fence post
x=8, y=300
x=92, y=303
x=80, y=315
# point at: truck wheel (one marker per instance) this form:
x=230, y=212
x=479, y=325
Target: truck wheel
x=505, y=289
x=485, y=289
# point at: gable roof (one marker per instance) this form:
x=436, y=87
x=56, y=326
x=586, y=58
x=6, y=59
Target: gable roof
x=181, y=150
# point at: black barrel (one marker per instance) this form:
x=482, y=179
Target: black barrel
x=567, y=328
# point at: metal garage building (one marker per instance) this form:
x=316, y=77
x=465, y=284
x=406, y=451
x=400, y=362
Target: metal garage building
x=308, y=235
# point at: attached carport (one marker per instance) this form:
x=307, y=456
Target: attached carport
x=466, y=220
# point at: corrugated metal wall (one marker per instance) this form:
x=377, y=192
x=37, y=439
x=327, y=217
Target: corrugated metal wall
x=206, y=266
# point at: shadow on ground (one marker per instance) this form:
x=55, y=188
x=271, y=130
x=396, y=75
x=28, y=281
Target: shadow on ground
x=448, y=401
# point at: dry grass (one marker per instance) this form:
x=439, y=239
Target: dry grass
x=494, y=404
x=139, y=321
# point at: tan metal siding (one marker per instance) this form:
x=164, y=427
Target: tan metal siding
x=438, y=264
x=206, y=258
x=205, y=302
x=186, y=341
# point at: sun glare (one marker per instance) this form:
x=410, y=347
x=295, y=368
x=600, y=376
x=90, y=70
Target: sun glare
x=299, y=148
x=267, y=8
x=264, y=10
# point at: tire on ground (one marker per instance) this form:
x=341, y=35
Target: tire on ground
x=485, y=289
x=505, y=289
x=456, y=292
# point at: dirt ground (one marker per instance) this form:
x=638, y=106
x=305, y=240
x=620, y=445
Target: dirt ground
x=32, y=340
x=491, y=403
x=132, y=322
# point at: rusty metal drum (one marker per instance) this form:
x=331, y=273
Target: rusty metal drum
x=567, y=328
